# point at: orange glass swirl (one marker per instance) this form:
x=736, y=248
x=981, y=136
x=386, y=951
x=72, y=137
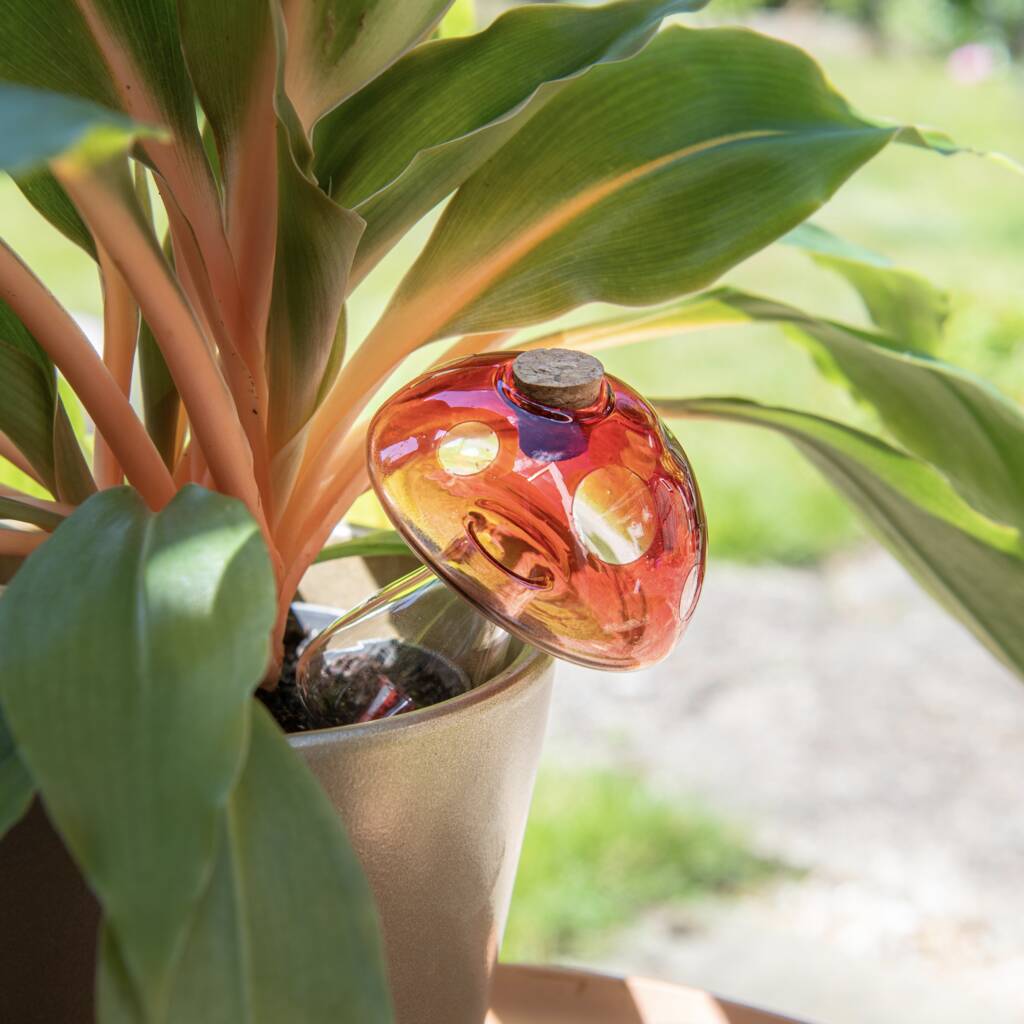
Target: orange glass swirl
x=581, y=531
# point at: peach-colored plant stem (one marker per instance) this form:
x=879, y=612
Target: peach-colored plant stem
x=243, y=382
x=21, y=542
x=120, y=330
x=186, y=351
x=70, y=350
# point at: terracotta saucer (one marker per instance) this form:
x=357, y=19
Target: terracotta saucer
x=549, y=995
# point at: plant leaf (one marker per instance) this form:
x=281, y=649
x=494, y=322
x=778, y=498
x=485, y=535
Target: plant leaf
x=958, y=422
x=16, y=788
x=161, y=403
x=901, y=303
x=128, y=697
x=400, y=145
x=659, y=203
x=336, y=46
x=947, y=416
x=952, y=551
x=286, y=929
x=36, y=124
x=379, y=542
x=55, y=52
x=43, y=191
x=26, y=512
x=316, y=241
x=32, y=414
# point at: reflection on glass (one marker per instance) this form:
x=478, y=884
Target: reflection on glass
x=691, y=589
x=467, y=449
x=613, y=514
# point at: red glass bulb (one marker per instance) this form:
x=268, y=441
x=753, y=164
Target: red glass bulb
x=579, y=530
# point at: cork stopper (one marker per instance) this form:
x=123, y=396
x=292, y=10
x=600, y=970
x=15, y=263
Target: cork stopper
x=558, y=377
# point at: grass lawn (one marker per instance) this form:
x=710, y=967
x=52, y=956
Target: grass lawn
x=958, y=220
x=600, y=848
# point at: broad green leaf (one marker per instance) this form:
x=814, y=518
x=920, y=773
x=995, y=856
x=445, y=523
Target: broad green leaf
x=380, y=542
x=336, y=46
x=16, y=788
x=399, y=146
x=25, y=512
x=164, y=636
x=146, y=31
x=901, y=303
x=286, y=930
x=32, y=414
x=975, y=570
x=609, y=194
x=316, y=241
x=950, y=418
x=36, y=124
x=54, y=50
x=43, y=191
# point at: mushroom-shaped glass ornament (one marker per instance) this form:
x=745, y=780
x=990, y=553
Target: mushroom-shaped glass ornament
x=544, y=493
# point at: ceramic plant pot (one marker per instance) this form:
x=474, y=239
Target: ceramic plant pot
x=435, y=804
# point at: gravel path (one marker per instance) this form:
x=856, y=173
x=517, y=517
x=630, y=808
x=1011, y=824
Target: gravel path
x=862, y=735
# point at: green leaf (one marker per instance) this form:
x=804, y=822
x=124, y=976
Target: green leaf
x=657, y=203
x=128, y=695
x=16, y=788
x=316, y=242
x=380, y=542
x=975, y=570
x=55, y=51
x=36, y=125
x=400, y=145
x=24, y=512
x=901, y=303
x=947, y=416
x=336, y=46
x=32, y=414
x=161, y=403
x=286, y=930
x=44, y=192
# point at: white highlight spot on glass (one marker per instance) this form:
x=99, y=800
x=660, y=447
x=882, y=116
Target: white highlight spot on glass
x=467, y=449
x=613, y=515
x=688, y=601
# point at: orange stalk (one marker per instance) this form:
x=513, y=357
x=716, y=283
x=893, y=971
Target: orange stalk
x=186, y=350
x=76, y=359
x=120, y=331
x=187, y=186
x=21, y=542
x=250, y=401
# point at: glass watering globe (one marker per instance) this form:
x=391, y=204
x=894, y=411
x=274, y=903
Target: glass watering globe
x=550, y=506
